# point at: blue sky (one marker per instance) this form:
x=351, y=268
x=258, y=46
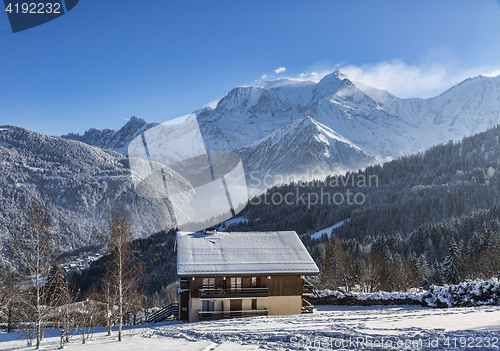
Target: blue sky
x=105, y=61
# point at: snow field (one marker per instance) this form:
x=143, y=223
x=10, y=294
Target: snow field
x=329, y=328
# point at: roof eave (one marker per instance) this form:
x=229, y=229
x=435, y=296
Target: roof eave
x=217, y=274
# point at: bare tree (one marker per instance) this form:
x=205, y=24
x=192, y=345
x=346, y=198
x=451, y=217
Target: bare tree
x=108, y=297
x=59, y=300
x=9, y=298
x=123, y=271
x=89, y=317
x=34, y=249
x=369, y=268
x=65, y=315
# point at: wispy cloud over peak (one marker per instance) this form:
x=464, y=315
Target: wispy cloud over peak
x=424, y=80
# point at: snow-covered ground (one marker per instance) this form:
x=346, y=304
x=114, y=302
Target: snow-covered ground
x=327, y=231
x=235, y=220
x=329, y=328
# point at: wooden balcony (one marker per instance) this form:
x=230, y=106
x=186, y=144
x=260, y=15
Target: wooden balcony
x=211, y=315
x=243, y=293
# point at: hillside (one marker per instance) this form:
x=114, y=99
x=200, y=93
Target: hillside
x=78, y=183
x=416, y=207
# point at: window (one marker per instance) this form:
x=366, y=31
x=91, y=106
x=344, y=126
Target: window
x=236, y=283
x=208, y=283
x=207, y=305
x=254, y=282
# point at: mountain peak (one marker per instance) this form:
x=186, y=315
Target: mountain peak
x=111, y=139
x=134, y=122
x=339, y=75
x=331, y=83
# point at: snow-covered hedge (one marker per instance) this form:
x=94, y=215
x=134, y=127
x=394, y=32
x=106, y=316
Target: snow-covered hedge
x=467, y=294
x=477, y=293
x=329, y=297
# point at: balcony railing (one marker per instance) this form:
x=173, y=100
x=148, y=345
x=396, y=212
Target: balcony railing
x=210, y=315
x=248, y=293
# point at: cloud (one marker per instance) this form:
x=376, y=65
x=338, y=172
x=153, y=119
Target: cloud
x=212, y=104
x=399, y=78
x=406, y=81
x=309, y=76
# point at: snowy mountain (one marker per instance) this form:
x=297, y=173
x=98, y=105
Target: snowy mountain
x=113, y=140
x=465, y=109
x=78, y=183
x=298, y=127
x=306, y=129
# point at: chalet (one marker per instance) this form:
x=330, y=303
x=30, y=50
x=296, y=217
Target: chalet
x=242, y=274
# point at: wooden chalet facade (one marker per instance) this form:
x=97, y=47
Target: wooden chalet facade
x=242, y=274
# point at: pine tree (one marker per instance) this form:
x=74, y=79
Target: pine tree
x=415, y=271
x=332, y=270
x=451, y=264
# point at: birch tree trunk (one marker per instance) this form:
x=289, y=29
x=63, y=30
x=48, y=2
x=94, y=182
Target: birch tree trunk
x=33, y=249
x=124, y=271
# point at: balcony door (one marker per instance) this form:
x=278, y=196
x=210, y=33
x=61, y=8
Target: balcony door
x=236, y=305
x=208, y=283
x=235, y=283
x=207, y=306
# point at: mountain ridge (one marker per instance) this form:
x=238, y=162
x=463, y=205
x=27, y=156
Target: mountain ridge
x=365, y=121
x=110, y=139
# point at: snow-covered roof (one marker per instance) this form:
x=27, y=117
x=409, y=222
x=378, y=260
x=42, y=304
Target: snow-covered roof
x=242, y=253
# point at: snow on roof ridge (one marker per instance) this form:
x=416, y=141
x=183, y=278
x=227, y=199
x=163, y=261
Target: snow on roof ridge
x=242, y=253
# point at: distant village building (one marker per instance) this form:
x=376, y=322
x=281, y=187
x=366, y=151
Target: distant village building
x=242, y=274
x=80, y=264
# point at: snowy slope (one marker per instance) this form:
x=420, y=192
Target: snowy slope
x=305, y=147
x=467, y=108
x=328, y=230
x=338, y=327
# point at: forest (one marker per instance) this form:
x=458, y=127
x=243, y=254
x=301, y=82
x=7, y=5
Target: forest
x=430, y=218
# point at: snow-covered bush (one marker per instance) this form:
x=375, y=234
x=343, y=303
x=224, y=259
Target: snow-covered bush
x=329, y=297
x=467, y=294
